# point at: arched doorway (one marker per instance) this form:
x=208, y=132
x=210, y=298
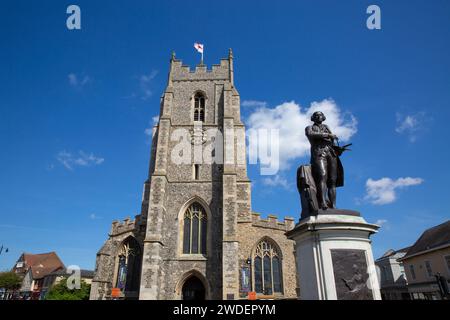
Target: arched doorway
x=193, y=289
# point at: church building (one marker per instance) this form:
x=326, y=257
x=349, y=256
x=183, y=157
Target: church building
x=196, y=236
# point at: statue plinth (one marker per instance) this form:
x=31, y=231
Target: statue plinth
x=334, y=211
x=334, y=256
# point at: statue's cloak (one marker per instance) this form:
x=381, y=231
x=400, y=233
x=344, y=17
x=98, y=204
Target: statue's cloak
x=340, y=173
x=308, y=191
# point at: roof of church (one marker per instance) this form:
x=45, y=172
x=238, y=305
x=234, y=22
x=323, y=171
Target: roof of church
x=432, y=238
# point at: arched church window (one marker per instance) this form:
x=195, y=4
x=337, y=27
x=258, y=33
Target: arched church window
x=267, y=271
x=199, y=107
x=129, y=265
x=194, y=230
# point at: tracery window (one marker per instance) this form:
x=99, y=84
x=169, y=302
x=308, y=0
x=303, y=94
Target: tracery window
x=129, y=265
x=194, y=230
x=267, y=271
x=199, y=107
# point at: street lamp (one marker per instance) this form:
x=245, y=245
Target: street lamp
x=443, y=286
x=1, y=249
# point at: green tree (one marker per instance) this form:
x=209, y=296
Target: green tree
x=60, y=291
x=10, y=280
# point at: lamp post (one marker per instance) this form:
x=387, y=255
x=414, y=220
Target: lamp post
x=1, y=249
x=443, y=286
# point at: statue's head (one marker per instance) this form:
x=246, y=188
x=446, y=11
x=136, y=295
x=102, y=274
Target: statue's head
x=318, y=117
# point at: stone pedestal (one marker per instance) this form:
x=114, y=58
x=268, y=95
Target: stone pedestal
x=334, y=257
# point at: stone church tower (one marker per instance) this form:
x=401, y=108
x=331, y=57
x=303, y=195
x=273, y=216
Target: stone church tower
x=196, y=236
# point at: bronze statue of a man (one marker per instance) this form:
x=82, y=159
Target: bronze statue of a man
x=326, y=167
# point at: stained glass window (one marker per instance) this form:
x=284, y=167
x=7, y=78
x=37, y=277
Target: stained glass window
x=129, y=265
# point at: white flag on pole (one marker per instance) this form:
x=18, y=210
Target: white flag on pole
x=198, y=47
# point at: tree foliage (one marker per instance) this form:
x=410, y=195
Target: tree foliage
x=10, y=280
x=60, y=291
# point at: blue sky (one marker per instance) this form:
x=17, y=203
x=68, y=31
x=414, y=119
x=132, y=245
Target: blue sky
x=75, y=106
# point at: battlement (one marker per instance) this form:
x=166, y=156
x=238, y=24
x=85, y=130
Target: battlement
x=118, y=227
x=181, y=72
x=272, y=222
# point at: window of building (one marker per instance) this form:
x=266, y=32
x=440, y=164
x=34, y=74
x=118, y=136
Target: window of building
x=402, y=273
x=412, y=271
x=267, y=269
x=429, y=270
x=447, y=262
x=194, y=230
x=196, y=173
x=199, y=107
x=383, y=273
x=389, y=275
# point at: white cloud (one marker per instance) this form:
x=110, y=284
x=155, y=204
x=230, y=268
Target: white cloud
x=381, y=222
x=411, y=125
x=149, y=131
x=77, y=82
x=290, y=119
x=276, y=181
x=383, y=191
x=145, y=84
x=384, y=224
x=93, y=216
x=407, y=123
x=73, y=80
x=83, y=159
x=254, y=103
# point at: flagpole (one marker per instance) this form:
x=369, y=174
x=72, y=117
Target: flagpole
x=201, y=62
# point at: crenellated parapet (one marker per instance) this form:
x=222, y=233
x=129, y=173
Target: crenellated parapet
x=221, y=71
x=119, y=227
x=272, y=222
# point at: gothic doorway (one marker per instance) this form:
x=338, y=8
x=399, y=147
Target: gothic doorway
x=193, y=289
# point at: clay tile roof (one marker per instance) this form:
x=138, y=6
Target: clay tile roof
x=432, y=238
x=42, y=264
